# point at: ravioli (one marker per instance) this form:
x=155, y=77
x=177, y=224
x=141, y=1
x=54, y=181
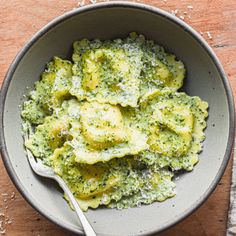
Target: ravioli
x=112, y=123
x=176, y=123
x=155, y=186
x=95, y=184
x=102, y=125
x=54, y=131
x=105, y=135
x=49, y=92
x=160, y=69
x=107, y=72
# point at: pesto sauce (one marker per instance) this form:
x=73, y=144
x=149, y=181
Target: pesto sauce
x=112, y=123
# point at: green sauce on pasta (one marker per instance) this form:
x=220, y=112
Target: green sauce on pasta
x=112, y=123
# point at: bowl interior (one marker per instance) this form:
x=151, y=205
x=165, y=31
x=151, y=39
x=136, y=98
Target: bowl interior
x=203, y=79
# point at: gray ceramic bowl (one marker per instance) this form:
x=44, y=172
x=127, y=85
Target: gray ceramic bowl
x=205, y=78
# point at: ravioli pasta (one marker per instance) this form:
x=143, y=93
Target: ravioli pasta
x=108, y=71
x=112, y=123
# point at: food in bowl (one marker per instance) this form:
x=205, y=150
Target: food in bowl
x=112, y=123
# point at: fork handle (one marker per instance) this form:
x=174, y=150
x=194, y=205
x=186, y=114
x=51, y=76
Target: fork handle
x=86, y=225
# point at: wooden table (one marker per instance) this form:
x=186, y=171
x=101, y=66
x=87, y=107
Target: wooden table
x=214, y=19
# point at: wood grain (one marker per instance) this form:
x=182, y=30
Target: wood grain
x=20, y=19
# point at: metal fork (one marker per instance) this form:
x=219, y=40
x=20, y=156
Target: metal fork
x=45, y=171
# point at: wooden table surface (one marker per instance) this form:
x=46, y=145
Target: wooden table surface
x=20, y=19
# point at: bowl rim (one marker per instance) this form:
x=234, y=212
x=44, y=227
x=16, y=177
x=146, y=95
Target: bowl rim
x=118, y=4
